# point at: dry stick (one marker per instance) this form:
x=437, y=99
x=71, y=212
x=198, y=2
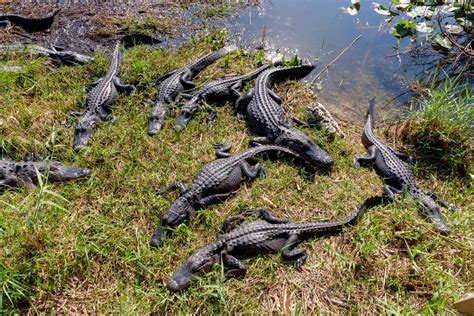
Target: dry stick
x=335, y=59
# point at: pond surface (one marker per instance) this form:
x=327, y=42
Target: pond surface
x=319, y=28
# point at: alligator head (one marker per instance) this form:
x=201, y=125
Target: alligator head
x=83, y=131
x=300, y=143
x=157, y=118
x=58, y=172
x=432, y=211
x=185, y=115
x=200, y=261
x=180, y=210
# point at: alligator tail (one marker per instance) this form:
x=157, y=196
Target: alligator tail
x=370, y=114
x=288, y=73
x=361, y=209
x=205, y=61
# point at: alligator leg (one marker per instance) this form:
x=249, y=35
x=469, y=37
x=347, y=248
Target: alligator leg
x=297, y=121
x=160, y=79
x=435, y=196
x=404, y=156
x=390, y=191
x=252, y=172
x=238, y=268
x=214, y=198
x=121, y=87
x=222, y=150
x=359, y=161
x=70, y=122
x=257, y=141
x=185, y=80
x=6, y=24
x=242, y=103
x=274, y=96
x=211, y=118
x=177, y=185
x=298, y=254
x=261, y=213
x=235, y=89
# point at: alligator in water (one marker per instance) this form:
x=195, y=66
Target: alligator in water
x=216, y=181
x=28, y=23
x=25, y=173
x=265, y=116
x=398, y=177
x=175, y=83
x=226, y=88
x=99, y=101
x=268, y=235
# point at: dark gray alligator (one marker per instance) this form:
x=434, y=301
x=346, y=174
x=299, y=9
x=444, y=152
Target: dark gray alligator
x=268, y=235
x=28, y=23
x=65, y=56
x=226, y=88
x=265, y=116
x=398, y=177
x=175, y=83
x=23, y=173
x=216, y=181
x=98, y=102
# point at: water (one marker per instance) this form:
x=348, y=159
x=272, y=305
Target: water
x=318, y=28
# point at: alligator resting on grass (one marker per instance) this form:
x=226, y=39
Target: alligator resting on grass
x=175, y=83
x=24, y=173
x=99, y=101
x=268, y=235
x=398, y=177
x=65, y=56
x=226, y=88
x=216, y=181
x=32, y=24
x=265, y=116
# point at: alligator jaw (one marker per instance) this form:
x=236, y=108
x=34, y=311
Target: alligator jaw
x=158, y=237
x=81, y=138
x=154, y=127
x=180, y=280
x=67, y=173
x=438, y=220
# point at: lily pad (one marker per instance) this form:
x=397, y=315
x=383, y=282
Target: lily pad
x=424, y=28
x=381, y=9
x=443, y=41
x=453, y=29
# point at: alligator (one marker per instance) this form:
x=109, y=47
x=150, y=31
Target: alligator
x=397, y=175
x=268, y=235
x=28, y=23
x=265, y=116
x=175, y=83
x=65, y=56
x=221, y=89
x=25, y=173
x=216, y=181
x=98, y=102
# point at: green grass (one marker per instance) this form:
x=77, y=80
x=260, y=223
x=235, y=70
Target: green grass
x=441, y=127
x=87, y=251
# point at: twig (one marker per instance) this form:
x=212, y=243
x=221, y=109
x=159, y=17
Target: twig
x=335, y=59
x=468, y=52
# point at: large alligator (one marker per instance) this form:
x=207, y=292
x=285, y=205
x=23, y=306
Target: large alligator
x=175, y=83
x=268, y=235
x=265, y=116
x=226, y=88
x=28, y=23
x=25, y=173
x=216, y=181
x=98, y=102
x=397, y=176
x=65, y=56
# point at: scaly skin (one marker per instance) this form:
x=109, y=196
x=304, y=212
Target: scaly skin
x=27, y=23
x=99, y=101
x=265, y=116
x=397, y=176
x=216, y=181
x=65, y=56
x=23, y=173
x=221, y=89
x=268, y=235
x=175, y=83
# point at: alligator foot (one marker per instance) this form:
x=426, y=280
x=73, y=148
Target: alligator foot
x=211, y=118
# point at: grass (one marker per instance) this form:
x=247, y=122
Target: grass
x=88, y=252
x=441, y=127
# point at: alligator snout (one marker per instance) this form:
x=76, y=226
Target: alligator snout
x=81, y=138
x=438, y=220
x=68, y=173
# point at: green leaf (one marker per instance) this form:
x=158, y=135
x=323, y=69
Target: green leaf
x=443, y=41
x=403, y=28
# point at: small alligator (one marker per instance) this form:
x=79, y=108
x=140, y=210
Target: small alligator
x=24, y=173
x=175, y=83
x=265, y=116
x=217, y=90
x=268, y=235
x=98, y=102
x=65, y=56
x=398, y=177
x=216, y=181
x=28, y=23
